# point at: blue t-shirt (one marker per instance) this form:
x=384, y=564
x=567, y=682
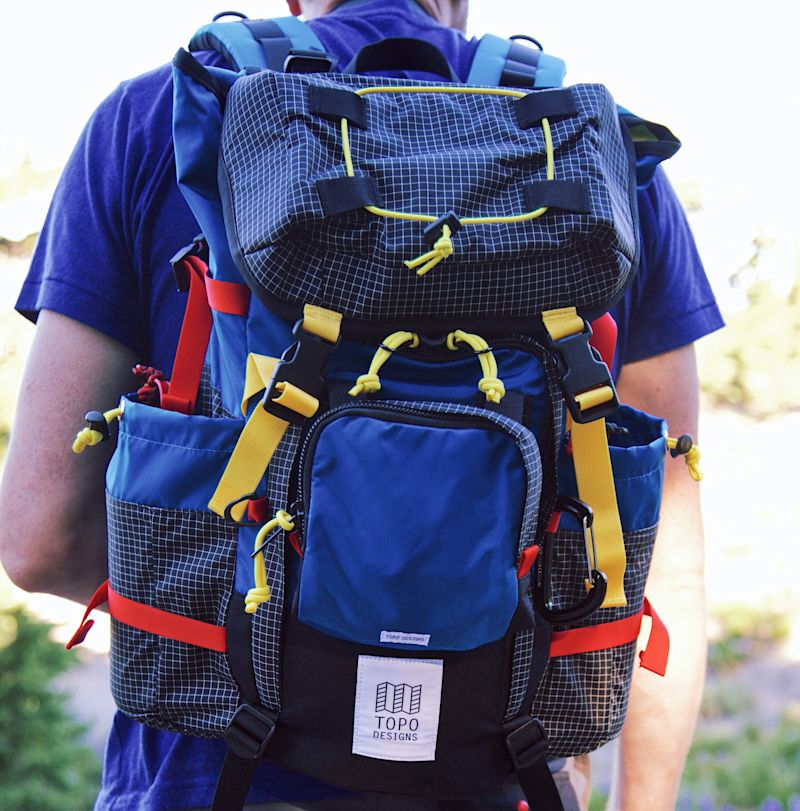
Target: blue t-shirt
x=103, y=259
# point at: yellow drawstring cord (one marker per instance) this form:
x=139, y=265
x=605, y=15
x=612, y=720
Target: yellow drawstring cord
x=370, y=382
x=490, y=384
x=691, y=456
x=91, y=436
x=442, y=248
x=261, y=592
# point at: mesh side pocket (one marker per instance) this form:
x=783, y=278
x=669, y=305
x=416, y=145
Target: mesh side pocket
x=181, y=561
x=583, y=698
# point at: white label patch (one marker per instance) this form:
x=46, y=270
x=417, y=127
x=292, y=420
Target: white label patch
x=403, y=638
x=397, y=708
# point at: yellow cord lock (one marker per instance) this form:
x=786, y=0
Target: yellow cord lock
x=684, y=446
x=96, y=430
x=261, y=593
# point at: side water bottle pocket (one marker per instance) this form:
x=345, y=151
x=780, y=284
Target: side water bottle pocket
x=415, y=516
x=583, y=697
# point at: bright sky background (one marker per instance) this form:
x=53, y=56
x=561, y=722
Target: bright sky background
x=723, y=76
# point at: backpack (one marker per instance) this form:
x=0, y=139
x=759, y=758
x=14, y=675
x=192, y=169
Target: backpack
x=387, y=524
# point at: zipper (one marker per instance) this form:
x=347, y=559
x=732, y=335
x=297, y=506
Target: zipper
x=389, y=412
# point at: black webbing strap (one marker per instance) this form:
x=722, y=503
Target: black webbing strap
x=568, y=195
x=549, y=104
x=528, y=748
x=341, y=194
x=520, y=67
x=252, y=725
x=274, y=43
x=337, y=103
x=187, y=64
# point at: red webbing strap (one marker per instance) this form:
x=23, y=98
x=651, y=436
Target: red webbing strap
x=227, y=297
x=612, y=634
x=181, y=393
x=153, y=620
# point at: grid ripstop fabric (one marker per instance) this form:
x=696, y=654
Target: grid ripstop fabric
x=583, y=698
x=428, y=153
x=181, y=561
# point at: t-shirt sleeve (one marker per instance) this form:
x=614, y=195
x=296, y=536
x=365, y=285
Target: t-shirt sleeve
x=671, y=303
x=82, y=266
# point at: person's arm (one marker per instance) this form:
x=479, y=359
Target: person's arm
x=52, y=532
x=663, y=711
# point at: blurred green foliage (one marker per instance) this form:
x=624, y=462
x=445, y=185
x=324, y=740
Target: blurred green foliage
x=743, y=769
x=754, y=363
x=744, y=631
x=44, y=764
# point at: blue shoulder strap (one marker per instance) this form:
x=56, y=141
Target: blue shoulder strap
x=262, y=44
x=506, y=63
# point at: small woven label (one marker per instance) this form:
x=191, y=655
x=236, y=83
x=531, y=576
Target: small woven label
x=403, y=638
x=397, y=708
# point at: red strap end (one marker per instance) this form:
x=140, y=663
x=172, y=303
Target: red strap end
x=656, y=654
x=526, y=561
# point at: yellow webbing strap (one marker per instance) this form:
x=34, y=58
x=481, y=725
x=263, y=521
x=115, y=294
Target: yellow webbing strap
x=593, y=472
x=263, y=432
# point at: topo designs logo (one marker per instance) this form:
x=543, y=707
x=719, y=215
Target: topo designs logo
x=398, y=698
x=396, y=714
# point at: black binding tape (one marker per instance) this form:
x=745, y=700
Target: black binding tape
x=549, y=104
x=337, y=103
x=568, y=195
x=342, y=194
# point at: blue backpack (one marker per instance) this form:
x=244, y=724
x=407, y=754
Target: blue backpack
x=387, y=524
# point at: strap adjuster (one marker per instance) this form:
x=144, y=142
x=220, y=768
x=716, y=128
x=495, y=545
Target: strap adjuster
x=199, y=248
x=580, y=371
x=527, y=744
x=300, y=366
x=298, y=61
x=249, y=732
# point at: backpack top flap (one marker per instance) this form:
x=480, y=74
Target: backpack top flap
x=330, y=187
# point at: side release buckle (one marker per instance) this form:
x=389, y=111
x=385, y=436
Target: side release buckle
x=586, y=382
x=299, y=61
x=249, y=732
x=527, y=745
x=301, y=367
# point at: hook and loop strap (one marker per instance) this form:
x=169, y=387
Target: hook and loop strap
x=593, y=471
x=292, y=386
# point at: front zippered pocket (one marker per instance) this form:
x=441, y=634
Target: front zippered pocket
x=415, y=516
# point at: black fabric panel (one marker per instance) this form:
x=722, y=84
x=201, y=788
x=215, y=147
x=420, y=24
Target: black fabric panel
x=315, y=731
x=540, y=788
x=337, y=103
x=540, y=104
x=343, y=194
x=569, y=195
x=401, y=53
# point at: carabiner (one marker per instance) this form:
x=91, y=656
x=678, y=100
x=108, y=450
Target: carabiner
x=597, y=583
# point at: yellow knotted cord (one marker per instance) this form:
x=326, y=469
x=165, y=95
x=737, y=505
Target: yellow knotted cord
x=370, y=382
x=261, y=592
x=442, y=248
x=89, y=436
x=490, y=384
x=691, y=457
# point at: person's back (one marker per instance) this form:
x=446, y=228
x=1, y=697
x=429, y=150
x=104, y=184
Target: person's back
x=140, y=220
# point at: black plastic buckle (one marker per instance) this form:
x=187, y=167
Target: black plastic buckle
x=580, y=370
x=199, y=248
x=249, y=732
x=299, y=61
x=301, y=365
x=527, y=744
